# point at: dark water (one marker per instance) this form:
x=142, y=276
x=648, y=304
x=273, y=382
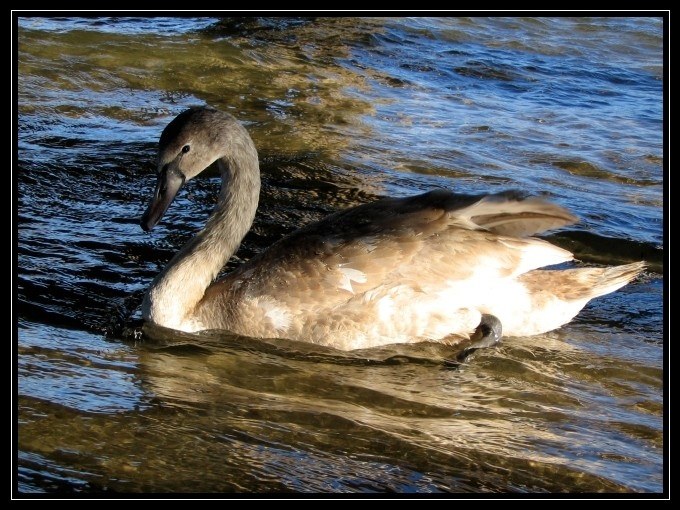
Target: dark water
x=342, y=111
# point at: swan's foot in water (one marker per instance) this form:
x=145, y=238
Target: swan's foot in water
x=487, y=334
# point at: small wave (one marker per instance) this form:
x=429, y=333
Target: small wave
x=600, y=249
x=586, y=169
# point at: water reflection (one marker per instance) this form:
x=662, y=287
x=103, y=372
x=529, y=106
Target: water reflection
x=342, y=111
x=231, y=413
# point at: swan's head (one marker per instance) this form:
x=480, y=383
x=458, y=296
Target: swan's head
x=192, y=141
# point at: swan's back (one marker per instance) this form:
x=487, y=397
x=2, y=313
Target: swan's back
x=396, y=270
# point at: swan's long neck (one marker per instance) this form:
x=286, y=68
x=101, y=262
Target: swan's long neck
x=175, y=292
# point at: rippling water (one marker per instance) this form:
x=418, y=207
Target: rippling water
x=342, y=111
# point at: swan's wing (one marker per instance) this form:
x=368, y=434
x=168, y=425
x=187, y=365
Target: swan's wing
x=422, y=241
x=511, y=214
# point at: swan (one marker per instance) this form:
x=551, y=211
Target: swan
x=432, y=267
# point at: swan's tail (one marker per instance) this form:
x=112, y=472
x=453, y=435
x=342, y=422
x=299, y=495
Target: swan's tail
x=606, y=280
x=558, y=295
x=580, y=284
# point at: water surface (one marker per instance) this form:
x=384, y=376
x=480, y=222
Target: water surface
x=342, y=111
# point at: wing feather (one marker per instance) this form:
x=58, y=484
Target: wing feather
x=427, y=240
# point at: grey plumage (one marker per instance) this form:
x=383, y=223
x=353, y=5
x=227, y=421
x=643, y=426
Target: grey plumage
x=397, y=270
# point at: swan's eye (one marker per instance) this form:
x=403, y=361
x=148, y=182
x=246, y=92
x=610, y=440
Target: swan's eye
x=186, y=149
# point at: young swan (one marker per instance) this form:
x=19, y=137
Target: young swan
x=427, y=267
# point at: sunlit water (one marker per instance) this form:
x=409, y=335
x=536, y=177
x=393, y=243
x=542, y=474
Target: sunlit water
x=342, y=111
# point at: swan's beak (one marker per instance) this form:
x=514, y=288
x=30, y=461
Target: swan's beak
x=170, y=180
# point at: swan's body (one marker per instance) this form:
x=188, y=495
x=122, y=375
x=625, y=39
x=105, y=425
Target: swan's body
x=397, y=270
